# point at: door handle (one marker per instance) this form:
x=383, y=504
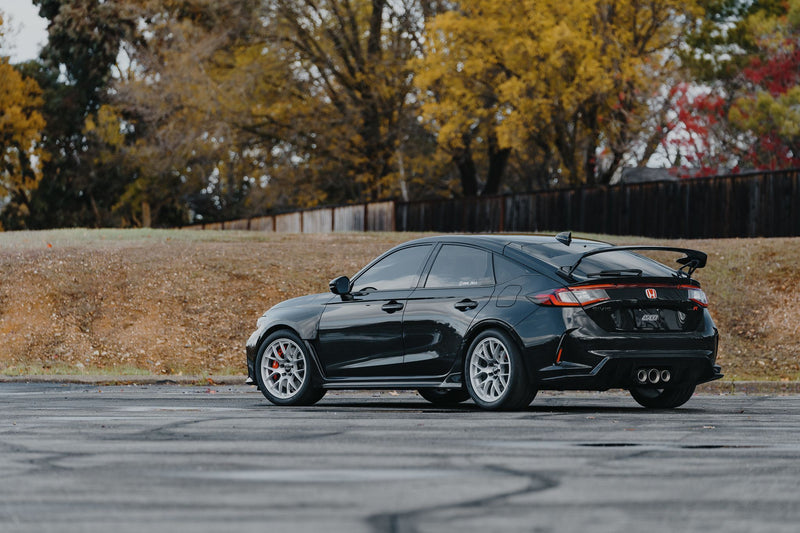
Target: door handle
x=466, y=304
x=392, y=306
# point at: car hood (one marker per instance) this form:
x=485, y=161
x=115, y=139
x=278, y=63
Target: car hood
x=301, y=301
x=300, y=314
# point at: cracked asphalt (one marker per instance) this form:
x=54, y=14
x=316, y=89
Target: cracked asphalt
x=169, y=458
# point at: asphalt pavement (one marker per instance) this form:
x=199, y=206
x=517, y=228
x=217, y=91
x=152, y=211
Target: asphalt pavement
x=220, y=458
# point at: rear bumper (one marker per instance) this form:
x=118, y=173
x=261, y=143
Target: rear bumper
x=619, y=371
x=601, y=362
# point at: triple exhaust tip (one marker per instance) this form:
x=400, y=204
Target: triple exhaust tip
x=653, y=375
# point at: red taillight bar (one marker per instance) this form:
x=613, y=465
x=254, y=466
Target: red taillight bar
x=589, y=294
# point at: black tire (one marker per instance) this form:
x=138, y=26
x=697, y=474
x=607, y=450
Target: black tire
x=663, y=398
x=494, y=373
x=444, y=396
x=285, y=371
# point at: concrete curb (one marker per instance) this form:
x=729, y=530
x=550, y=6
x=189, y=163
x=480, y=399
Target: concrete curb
x=715, y=387
x=750, y=387
x=128, y=380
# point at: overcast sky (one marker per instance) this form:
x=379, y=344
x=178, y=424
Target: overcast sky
x=25, y=31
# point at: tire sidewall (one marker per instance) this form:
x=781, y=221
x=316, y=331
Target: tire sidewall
x=516, y=379
x=303, y=392
x=666, y=399
x=444, y=397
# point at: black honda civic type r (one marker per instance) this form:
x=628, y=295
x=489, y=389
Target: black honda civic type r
x=495, y=318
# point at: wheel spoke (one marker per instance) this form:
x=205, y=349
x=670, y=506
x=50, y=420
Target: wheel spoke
x=283, y=368
x=486, y=385
x=489, y=369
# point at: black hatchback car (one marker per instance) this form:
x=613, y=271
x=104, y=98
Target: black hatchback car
x=495, y=318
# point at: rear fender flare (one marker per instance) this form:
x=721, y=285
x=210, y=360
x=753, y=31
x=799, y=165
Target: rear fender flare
x=482, y=326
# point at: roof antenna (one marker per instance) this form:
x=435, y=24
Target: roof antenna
x=565, y=237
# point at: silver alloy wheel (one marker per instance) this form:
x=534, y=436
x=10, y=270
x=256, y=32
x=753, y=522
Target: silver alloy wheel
x=283, y=368
x=489, y=369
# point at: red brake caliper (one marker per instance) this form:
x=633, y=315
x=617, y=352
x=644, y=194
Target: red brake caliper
x=275, y=365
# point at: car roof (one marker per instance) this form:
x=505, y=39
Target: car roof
x=497, y=242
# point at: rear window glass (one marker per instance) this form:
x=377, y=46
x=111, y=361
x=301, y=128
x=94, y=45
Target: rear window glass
x=554, y=254
x=622, y=261
x=506, y=269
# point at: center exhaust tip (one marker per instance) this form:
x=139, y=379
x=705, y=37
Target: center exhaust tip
x=654, y=376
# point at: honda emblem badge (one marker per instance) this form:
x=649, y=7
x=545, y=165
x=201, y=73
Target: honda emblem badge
x=651, y=293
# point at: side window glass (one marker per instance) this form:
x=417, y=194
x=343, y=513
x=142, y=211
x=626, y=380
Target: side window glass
x=460, y=266
x=397, y=271
x=506, y=269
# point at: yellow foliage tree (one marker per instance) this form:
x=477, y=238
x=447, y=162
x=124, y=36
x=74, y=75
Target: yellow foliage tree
x=565, y=77
x=20, y=127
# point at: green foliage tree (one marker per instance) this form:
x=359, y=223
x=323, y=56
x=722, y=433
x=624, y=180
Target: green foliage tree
x=74, y=72
x=769, y=108
x=742, y=99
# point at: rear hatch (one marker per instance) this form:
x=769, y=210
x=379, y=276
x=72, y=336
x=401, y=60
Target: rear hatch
x=622, y=290
x=644, y=306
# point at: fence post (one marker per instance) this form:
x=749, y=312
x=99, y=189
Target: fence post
x=502, y=226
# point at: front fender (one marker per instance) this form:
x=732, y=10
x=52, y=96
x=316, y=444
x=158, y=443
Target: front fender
x=300, y=315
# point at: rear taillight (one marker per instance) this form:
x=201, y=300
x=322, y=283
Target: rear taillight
x=698, y=297
x=591, y=294
x=571, y=297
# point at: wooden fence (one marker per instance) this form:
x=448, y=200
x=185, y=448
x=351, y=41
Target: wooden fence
x=764, y=204
x=378, y=216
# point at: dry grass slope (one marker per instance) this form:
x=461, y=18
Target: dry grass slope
x=184, y=302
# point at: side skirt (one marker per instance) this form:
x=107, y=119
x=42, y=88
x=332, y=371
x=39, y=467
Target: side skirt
x=451, y=381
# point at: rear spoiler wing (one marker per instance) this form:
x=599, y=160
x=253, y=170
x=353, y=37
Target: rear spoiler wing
x=692, y=260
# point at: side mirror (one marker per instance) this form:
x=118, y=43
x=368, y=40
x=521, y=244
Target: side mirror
x=340, y=285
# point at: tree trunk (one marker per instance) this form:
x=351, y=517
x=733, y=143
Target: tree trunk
x=467, y=171
x=146, y=220
x=589, y=160
x=498, y=160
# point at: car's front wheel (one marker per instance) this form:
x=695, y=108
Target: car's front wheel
x=284, y=370
x=495, y=374
x=663, y=398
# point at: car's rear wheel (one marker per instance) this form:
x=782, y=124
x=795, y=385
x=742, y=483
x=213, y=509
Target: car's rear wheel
x=495, y=375
x=663, y=398
x=444, y=396
x=284, y=370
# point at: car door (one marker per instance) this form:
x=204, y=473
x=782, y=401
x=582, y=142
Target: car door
x=458, y=285
x=361, y=335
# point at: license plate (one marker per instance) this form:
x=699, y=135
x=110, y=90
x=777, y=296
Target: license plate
x=647, y=318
